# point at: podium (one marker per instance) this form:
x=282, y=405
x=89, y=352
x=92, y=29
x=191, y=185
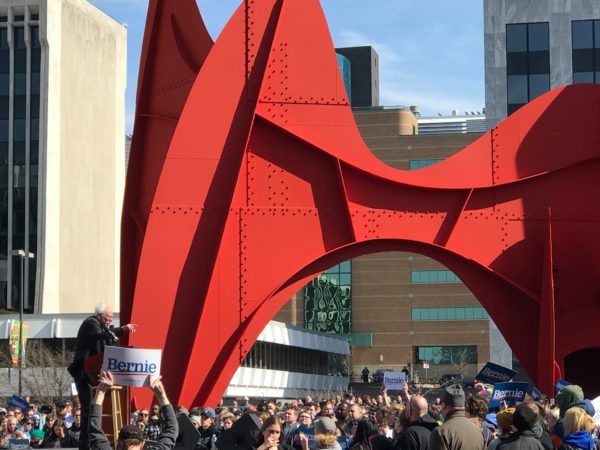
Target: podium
x=113, y=410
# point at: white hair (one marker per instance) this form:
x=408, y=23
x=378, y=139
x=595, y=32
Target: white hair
x=101, y=308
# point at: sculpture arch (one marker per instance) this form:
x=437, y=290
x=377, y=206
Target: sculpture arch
x=266, y=182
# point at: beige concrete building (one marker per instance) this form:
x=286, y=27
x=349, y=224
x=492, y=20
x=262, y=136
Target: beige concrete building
x=62, y=122
x=406, y=308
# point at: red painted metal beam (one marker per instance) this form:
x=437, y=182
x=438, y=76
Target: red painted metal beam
x=267, y=182
x=176, y=44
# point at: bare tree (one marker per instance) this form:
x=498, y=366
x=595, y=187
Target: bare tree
x=45, y=377
x=461, y=361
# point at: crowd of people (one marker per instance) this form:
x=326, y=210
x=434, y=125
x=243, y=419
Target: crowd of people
x=44, y=426
x=454, y=421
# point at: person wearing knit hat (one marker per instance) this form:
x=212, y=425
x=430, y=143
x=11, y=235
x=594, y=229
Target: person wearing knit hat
x=524, y=419
x=505, y=427
x=454, y=396
x=325, y=437
x=457, y=431
x=36, y=438
x=587, y=406
x=505, y=420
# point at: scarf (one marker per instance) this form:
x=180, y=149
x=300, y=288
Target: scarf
x=581, y=439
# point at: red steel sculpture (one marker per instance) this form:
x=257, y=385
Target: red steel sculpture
x=248, y=177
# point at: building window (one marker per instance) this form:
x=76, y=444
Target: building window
x=19, y=158
x=346, y=71
x=328, y=301
x=466, y=313
x=433, y=276
x=527, y=63
x=415, y=164
x=457, y=354
x=586, y=51
x=271, y=356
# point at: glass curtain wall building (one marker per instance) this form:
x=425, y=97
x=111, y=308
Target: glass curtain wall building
x=586, y=51
x=533, y=48
x=20, y=59
x=62, y=128
x=527, y=63
x=328, y=301
x=346, y=71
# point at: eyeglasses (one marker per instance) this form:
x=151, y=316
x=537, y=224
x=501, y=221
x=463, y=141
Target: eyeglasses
x=143, y=414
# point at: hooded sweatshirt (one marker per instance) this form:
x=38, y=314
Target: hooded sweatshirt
x=570, y=395
x=566, y=398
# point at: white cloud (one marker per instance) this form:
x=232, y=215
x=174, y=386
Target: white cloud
x=410, y=76
x=350, y=38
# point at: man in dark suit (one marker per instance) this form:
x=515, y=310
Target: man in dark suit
x=94, y=333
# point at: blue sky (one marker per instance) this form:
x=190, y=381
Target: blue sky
x=431, y=51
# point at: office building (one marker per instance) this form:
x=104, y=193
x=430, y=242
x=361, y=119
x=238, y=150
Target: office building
x=399, y=308
x=364, y=75
x=454, y=124
x=62, y=85
x=535, y=46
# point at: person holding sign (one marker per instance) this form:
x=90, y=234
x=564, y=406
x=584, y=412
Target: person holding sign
x=130, y=436
x=94, y=333
x=11, y=432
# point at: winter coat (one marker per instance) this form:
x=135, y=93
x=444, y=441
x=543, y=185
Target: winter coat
x=524, y=440
x=457, y=433
x=417, y=435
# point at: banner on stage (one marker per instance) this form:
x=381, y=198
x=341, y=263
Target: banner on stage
x=494, y=373
x=394, y=380
x=132, y=366
x=511, y=393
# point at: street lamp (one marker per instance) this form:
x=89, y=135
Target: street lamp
x=23, y=255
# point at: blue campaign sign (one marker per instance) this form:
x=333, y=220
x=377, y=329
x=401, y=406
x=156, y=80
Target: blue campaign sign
x=535, y=393
x=18, y=402
x=309, y=432
x=511, y=393
x=18, y=443
x=494, y=373
x=343, y=441
x=560, y=385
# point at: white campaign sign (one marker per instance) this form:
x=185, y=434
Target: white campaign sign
x=394, y=380
x=132, y=366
